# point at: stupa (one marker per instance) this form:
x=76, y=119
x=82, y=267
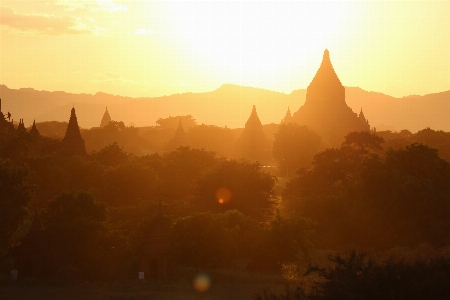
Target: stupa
x=73, y=143
x=33, y=131
x=325, y=110
x=106, y=119
x=180, y=139
x=253, y=143
x=287, y=118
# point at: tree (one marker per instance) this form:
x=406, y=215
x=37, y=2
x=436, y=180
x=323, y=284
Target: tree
x=74, y=232
x=173, y=122
x=212, y=138
x=179, y=171
x=400, y=198
x=286, y=239
x=363, y=141
x=15, y=194
x=111, y=155
x=436, y=139
x=236, y=185
x=294, y=146
x=202, y=241
x=205, y=240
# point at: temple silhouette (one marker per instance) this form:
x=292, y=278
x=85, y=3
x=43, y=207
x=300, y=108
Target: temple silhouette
x=253, y=142
x=325, y=110
x=73, y=143
x=106, y=119
x=7, y=128
x=179, y=139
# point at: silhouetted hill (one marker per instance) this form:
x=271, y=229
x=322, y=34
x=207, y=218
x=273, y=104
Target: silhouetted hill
x=228, y=105
x=412, y=112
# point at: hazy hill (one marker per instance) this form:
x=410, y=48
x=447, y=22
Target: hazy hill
x=228, y=105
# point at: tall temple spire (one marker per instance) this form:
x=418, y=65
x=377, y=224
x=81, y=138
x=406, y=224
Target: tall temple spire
x=21, y=128
x=325, y=110
x=326, y=86
x=287, y=118
x=253, y=142
x=106, y=119
x=179, y=139
x=362, y=117
x=253, y=120
x=33, y=130
x=73, y=143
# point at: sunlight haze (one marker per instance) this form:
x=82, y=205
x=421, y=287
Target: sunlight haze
x=154, y=48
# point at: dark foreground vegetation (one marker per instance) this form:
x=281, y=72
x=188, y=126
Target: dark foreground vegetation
x=422, y=273
x=82, y=224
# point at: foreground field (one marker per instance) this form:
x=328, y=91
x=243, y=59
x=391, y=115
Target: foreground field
x=224, y=285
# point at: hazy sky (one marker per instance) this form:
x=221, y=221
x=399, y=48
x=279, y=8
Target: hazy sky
x=153, y=48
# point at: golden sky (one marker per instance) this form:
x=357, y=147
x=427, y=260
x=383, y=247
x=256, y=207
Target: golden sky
x=153, y=48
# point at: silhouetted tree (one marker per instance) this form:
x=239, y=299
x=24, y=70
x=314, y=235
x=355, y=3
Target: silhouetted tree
x=201, y=241
x=179, y=171
x=212, y=138
x=236, y=185
x=294, y=146
x=173, y=122
x=111, y=155
x=15, y=194
x=363, y=141
x=286, y=239
x=74, y=229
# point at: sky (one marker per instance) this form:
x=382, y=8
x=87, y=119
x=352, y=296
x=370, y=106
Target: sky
x=155, y=48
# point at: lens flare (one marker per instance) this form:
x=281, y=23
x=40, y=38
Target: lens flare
x=202, y=282
x=223, y=195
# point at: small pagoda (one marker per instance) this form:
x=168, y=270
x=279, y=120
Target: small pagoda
x=106, y=119
x=288, y=117
x=179, y=140
x=73, y=143
x=34, y=131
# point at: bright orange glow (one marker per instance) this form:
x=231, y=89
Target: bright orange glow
x=202, y=282
x=223, y=195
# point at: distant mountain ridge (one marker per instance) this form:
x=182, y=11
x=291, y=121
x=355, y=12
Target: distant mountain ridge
x=229, y=105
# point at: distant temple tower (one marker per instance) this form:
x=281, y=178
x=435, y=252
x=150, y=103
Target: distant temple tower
x=362, y=118
x=179, y=139
x=106, y=119
x=287, y=118
x=253, y=142
x=325, y=110
x=33, y=131
x=21, y=128
x=73, y=143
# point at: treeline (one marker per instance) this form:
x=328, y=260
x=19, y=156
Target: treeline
x=367, y=199
x=88, y=217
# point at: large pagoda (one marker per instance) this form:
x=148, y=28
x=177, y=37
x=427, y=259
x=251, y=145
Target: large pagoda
x=253, y=142
x=73, y=143
x=325, y=110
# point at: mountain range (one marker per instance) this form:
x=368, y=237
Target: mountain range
x=229, y=105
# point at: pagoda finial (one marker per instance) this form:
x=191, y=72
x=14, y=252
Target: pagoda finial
x=326, y=56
